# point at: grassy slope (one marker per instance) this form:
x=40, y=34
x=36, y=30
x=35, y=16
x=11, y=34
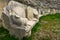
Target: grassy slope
x=48, y=28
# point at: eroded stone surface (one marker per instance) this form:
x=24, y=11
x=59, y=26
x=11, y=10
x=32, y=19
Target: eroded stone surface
x=53, y=4
x=30, y=13
x=15, y=20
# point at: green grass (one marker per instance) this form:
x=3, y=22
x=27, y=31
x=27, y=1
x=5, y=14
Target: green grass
x=48, y=28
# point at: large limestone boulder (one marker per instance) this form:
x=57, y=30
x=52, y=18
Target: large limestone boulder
x=19, y=19
x=14, y=19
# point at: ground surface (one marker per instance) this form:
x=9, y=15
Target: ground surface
x=48, y=28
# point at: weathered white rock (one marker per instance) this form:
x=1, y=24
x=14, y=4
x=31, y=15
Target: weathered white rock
x=36, y=14
x=19, y=11
x=15, y=20
x=30, y=15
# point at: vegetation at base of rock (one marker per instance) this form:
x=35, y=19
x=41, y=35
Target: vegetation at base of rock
x=4, y=35
x=48, y=28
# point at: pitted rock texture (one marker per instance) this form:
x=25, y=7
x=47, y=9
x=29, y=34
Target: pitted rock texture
x=42, y=3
